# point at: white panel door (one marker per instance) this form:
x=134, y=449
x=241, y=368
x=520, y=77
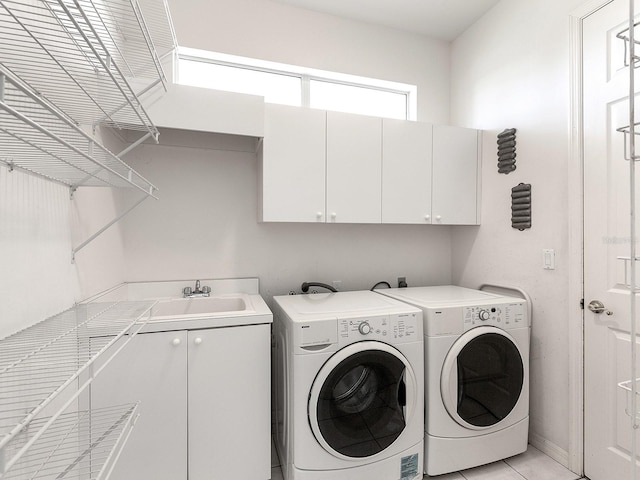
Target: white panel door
x=151, y=369
x=293, y=164
x=455, y=174
x=406, y=171
x=354, y=168
x=230, y=403
x=608, y=431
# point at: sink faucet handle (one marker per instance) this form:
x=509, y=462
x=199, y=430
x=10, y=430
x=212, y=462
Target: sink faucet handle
x=206, y=289
x=186, y=290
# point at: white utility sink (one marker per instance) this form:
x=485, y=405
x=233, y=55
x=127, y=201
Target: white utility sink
x=198, y=306
x=232, y=303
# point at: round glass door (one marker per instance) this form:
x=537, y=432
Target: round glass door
x=358, y=400
x=482, y=378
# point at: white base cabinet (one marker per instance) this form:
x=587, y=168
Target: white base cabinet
x=204, y=404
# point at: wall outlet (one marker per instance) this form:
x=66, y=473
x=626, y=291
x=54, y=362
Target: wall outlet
x=402, y=282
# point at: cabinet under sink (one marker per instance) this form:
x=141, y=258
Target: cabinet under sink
x=203, y=382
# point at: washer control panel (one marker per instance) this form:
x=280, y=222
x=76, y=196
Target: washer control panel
x=385, y=328
x=505, y=315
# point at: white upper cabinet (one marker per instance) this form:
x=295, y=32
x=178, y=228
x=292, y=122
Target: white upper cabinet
x=293, y=158
x=406, y=171
x=354, y=168
x=332, y=167
x=455, y=176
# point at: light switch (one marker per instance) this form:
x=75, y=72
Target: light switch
x=548, y=259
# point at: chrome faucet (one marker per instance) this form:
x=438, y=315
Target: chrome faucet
x=188, y=292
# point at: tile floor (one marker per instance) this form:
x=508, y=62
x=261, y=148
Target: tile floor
x=531, y=465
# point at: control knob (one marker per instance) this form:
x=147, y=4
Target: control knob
x=364, y=328
x=483, y=315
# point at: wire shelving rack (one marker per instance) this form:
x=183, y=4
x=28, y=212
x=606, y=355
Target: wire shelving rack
x=37, y=137
x=45, y=367
x=92, y=59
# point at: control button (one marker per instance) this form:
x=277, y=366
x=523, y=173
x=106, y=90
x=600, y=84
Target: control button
x=364, y=328
x=483, y=315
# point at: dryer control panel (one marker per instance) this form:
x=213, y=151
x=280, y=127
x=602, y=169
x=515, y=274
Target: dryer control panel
x=395, y=328
x=504, y=315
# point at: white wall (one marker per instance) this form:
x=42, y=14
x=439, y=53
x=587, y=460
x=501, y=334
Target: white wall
x=37, y=279
x=511, y=69
x=39, y=226
x=204, y=225
x=281, y=33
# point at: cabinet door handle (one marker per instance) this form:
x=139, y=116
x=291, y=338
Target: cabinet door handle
x=176, y=342
x=438, y=217
x=427, y=217
x=197, y=341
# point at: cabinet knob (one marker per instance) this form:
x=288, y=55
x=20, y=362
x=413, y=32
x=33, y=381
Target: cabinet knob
x=438, y=217
x=334, y=215
x=427, y=217
x=319, y=214
x=176, y=342
x=197, y=341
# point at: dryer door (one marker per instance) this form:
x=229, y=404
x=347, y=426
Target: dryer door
x=361, y=399
x=482, y=378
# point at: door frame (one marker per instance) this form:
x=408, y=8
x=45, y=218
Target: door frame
x=576, y=238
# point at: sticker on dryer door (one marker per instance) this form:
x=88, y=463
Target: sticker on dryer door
x=409, y=467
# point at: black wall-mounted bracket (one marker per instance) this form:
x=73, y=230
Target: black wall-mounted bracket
x=507, y=151
x=521, y=206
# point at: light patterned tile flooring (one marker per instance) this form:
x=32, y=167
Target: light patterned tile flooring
x=531, y=465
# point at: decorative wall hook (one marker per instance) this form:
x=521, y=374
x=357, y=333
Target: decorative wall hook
x=507, y=151
x=521, y=206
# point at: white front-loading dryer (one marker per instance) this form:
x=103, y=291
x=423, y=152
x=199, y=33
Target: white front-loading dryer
x=349, y=387
x=476, y=375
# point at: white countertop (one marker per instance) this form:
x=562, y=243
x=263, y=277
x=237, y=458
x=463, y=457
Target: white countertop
x=243, y=291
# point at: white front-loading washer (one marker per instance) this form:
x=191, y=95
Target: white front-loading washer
x=349, y=387
x=476, y=375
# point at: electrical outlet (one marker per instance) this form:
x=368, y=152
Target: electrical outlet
x=402, y=282
x=337, y=284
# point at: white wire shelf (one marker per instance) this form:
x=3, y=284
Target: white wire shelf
x=57, y=355
x=78, y=445
x=625, y=36
x=92, y=59
x=37, y=137
x=627, y=387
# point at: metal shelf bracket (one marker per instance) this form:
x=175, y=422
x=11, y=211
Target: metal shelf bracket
x=103, y=229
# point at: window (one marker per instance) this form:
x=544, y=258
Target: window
x=297, y=86
x=274, y=87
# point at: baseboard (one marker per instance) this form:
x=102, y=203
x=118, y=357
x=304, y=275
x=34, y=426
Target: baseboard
x=550, y=449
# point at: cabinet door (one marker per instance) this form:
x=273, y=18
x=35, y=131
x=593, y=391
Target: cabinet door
x=152, y=369
x=455, y=176
x=406, y=171
x=230, y=403
x=354, y=168
x=293, y=164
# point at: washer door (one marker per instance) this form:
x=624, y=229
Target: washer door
x=358, y=402
x=482, y=378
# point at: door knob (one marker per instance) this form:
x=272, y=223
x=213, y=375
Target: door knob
x=596, y=306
